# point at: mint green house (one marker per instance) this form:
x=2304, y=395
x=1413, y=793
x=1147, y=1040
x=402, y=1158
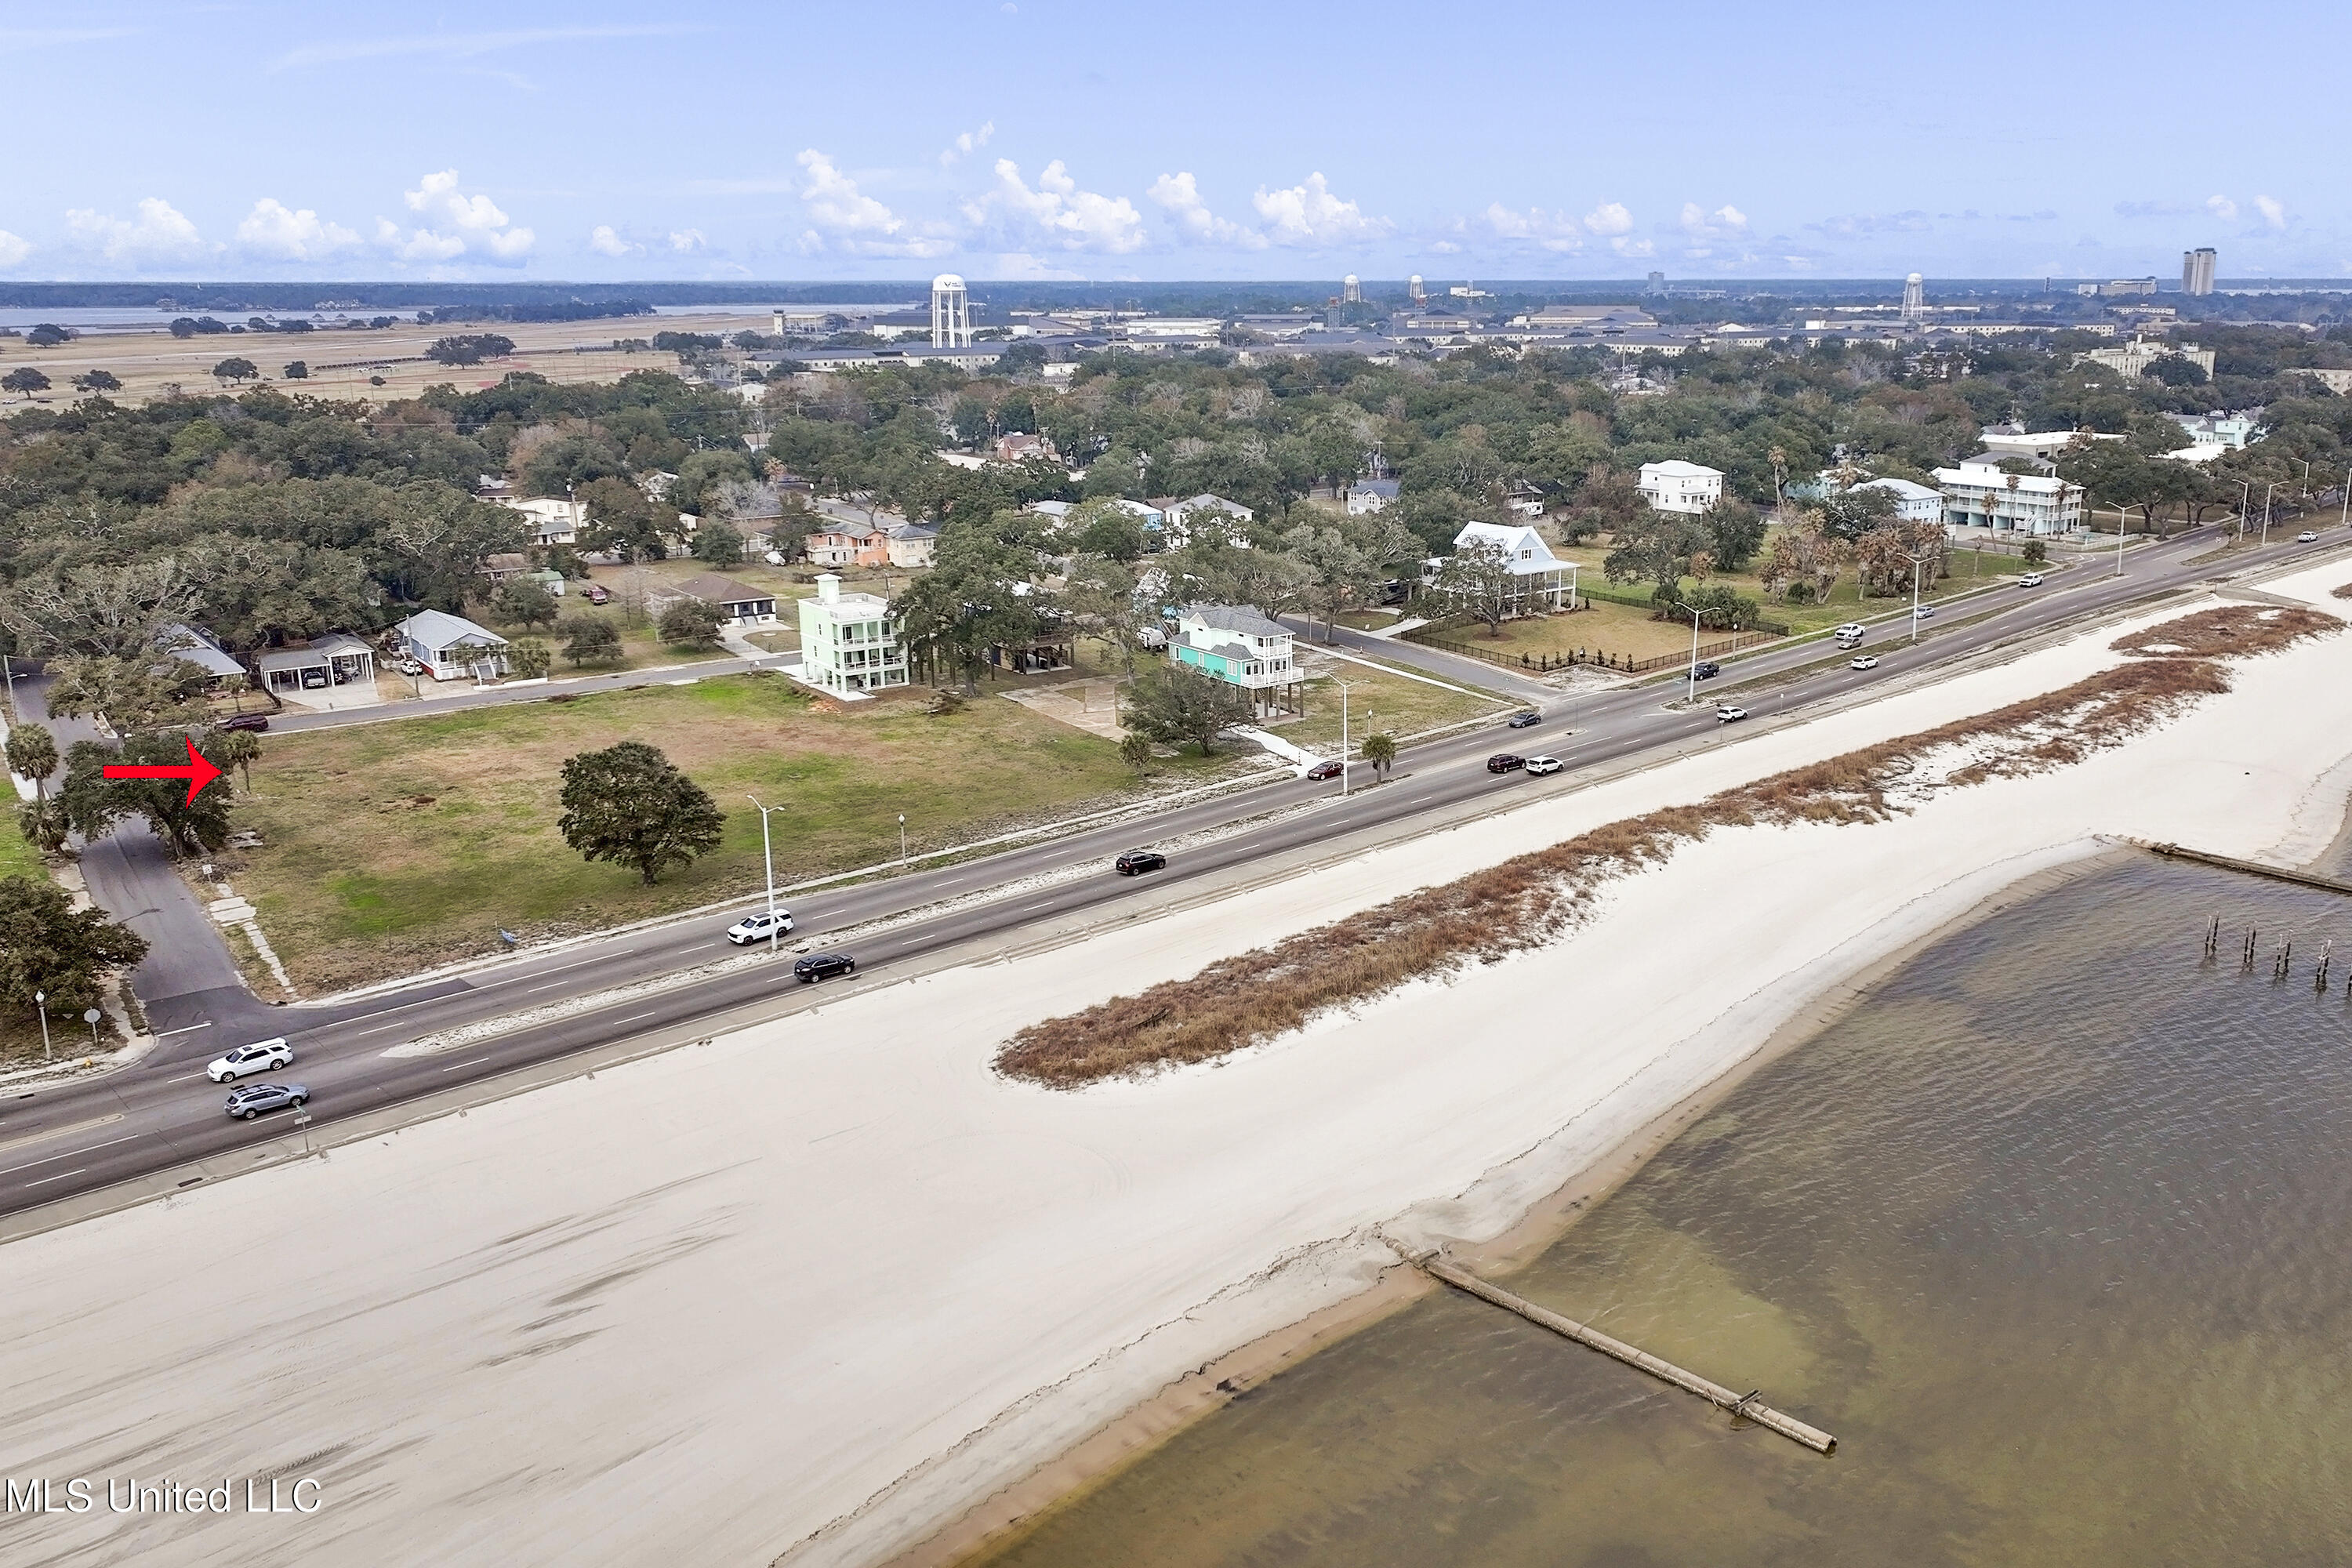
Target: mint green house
x=1241, y=648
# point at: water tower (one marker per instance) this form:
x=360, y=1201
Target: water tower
x=1413, y=289
x=951, y=313
x=1915, y=297
x=1351, y=290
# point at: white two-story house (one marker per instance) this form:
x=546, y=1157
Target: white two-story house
x=1677, y=485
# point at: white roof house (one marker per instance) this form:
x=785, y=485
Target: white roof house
x=1978, y=494
x=1913, y=503
x=451, y=646
x=1677, y=485
x=552, y=522
x=1539, y=578
x=1178, y=517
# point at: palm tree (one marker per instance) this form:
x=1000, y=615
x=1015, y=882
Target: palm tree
x=32, y=754
x=1380, y=751
x=238, y=749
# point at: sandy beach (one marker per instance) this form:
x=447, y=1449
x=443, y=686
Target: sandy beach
x=812, y=1290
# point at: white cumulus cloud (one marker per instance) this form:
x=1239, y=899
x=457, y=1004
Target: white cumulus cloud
x=2223, y=207
x=1555, y=231
x=1309, y=215
x=1723, y=223
x=12, y=249
x=1609, y=218
x=480, y=224
x=967, y=143
x=686, y=241
x=1058, y=212
x=605, y=240
x=2273, y=212
x=842, y=217
x=288, y=234
x=1180, y=195
x=160, y=232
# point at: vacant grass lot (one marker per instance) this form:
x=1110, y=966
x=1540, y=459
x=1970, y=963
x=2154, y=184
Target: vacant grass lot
x=393, y=846
x=16, y=856
x=1378, y=701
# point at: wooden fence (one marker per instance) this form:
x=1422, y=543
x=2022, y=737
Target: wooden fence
x=1539, y=662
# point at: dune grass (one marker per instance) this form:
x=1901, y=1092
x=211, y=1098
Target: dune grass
x=1531, y=898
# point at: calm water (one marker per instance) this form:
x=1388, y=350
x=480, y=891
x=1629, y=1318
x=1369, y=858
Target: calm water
x=2054, y=1232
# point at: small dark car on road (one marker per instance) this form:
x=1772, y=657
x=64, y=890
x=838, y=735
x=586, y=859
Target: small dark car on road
x=1329, y=768
x=255, y=722
x=1526, y=718
x=1707, y=669
x=1505, y=762
x=1136, y=862
x=823, y=966
x=255, y=1098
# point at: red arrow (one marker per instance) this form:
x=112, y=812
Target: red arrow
x=198, y=773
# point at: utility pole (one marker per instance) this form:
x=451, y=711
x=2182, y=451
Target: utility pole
x=769, y=856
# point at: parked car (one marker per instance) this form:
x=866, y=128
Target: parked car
x=262, y=1056
x=823, y=966
x=1544, y=764
x=407, y=666
x=596, y=595
x=762, y=927
x=1706, y=670
x=1852, y=630
x=1505, y=762
x=1922, y=612
x=1329, y=768
x=255, y=1098
x=1525, y=719
x=2031, y=580
x=255, y=721
x=314, y=679
x=1868, y=661
x=1725, y=713
x=1151, y=639
x=2306, y=537
x=1136, y=862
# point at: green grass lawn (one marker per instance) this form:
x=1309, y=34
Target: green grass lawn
x=391, y=847
x=17, y=858
x=1378, y=702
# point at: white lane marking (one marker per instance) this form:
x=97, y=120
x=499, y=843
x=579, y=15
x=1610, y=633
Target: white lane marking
x=634, y=1017
x=191, y=1029
x=69, y=1154
x=61, y=1176
x=470, y=1062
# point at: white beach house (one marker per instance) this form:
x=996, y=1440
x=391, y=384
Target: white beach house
x=1978, y=494
x=1677, y=485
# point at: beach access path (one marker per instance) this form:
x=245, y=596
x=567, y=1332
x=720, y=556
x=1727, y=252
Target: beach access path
x=814, y=1287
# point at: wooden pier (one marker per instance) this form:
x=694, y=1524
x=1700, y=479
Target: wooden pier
x=2250, y=867
x=1744, y=1406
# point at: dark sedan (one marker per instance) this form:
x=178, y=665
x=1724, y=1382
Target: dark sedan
x=255, y=1098
x=255, y=722
x=1505, y=762
x=823, y=966
x=1329, y=768
x=1136, y=862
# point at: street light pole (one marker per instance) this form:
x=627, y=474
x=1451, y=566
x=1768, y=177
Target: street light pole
x=2343, y=518
x=768, y=855
x=2123, y=517
x=1343, y=733
x=2266, y=509
x=2245, y=501
x=1914, y=599
x=902, y=839
x=1694, y=664
x=41, y=1005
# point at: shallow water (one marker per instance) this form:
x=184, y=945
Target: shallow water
x=2054, y=1231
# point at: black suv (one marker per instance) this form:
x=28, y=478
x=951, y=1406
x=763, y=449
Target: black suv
x=1706, y=670
x=1505, y=762
x=1136, y=862
x=823, y=966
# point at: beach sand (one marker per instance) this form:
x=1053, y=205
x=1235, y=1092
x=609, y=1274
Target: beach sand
x=818, y=1286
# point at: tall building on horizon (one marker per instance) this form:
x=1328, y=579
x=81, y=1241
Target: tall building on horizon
x=1657, y=284
x=2197, y=270
x=951, y=313
x=1915, y=297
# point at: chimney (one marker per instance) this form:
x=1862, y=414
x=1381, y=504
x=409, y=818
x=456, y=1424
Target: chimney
x=828, y=587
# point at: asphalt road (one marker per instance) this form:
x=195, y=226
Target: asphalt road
x=71, y=1139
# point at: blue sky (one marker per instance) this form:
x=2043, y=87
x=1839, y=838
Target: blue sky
x=1053, y=138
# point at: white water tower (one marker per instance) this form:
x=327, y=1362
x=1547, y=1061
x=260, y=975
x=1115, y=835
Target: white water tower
x=1414, y=291
x=951, y=313
x=1351, y=290
x=1915, y=297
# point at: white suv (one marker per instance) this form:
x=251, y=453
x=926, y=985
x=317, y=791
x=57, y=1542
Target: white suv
x=762, y=927
x=262, y=1056
x=1850, y=632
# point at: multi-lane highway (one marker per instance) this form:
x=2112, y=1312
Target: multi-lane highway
x=74, y=1138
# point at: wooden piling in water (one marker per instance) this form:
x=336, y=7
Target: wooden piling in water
x=2246, y=963
x=2320, y=977
x=1744, y=1406
x=2213, y=937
